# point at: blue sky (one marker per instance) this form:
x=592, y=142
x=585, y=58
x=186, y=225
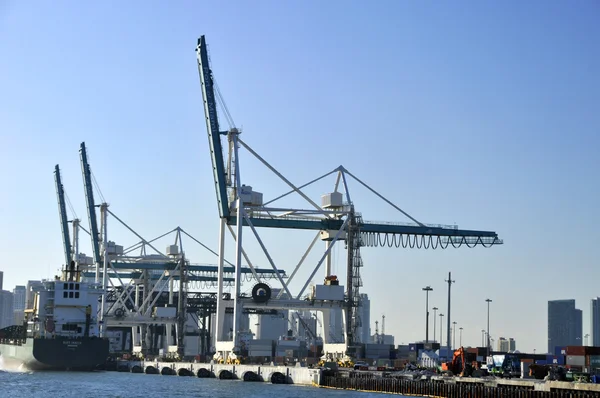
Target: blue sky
x=484, y=114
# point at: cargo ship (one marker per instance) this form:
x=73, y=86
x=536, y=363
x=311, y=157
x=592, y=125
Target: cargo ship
x=60, y=330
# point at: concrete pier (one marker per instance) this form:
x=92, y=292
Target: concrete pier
x=261, y=373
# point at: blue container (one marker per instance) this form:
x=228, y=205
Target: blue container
x=555, y=360
x=541, y=362
x=559, y=360
x=562, y=350
x=412, y=347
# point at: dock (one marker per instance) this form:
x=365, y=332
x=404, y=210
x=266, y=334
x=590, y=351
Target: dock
x=401, y=383
x=276, y=374
x=448, y=387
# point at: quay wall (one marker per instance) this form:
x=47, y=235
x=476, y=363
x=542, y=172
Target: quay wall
x=265, y=373
x=458, y=387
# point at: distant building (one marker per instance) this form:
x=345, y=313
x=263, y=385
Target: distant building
x=595, y=321
x=506, y=345
x=503, y=345
x=6, y=309
x=364, y=311
x=19, y=293
x=29, y=292
x=564, y=324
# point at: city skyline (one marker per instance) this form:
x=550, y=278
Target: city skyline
x=502, y=344
x=485, y=117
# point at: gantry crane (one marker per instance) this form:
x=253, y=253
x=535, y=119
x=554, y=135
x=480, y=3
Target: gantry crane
x=142, y=280
x=336, y=219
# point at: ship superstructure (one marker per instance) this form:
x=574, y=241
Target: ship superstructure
x=61, y=330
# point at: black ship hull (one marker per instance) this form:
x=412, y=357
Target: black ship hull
x=57, y=354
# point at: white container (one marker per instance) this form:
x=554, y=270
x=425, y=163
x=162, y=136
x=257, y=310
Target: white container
x=576, y=360
x=329, y=292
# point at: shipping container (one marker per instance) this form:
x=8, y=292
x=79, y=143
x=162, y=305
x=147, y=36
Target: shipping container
x=594, y=361
x=431, y=346
x=555, y=359
x=592, y=350
x=575, y=350
x=412, y=347
x=560, y=360
x=259, y=353
x=560, y=350
x=541, y=362
x=576, y=360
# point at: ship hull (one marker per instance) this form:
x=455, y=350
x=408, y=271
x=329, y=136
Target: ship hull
x=57, y=354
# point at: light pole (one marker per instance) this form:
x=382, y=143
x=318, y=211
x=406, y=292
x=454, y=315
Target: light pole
x=427, y=289
x=441, y=325
x=585, y=339
x=434, y=316
x=488, y=301
x=482, y=337
x=450, y=282
x=454, y=334
x=460, y=337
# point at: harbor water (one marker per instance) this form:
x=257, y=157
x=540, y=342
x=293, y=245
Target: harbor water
x=128, y=385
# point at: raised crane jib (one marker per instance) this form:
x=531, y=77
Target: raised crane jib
x=89, y=196
x=62, y=210
x=212, y=127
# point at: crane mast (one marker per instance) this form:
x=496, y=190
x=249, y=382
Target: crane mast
x=62, y=209
x=91, y=207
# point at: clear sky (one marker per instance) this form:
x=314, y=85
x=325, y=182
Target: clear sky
x=486, y=114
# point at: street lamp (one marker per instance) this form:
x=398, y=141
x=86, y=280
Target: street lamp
x=441, y=324
x=454, y=334
x=482, y=337
x=488, y=301
x=427, y=289
x=434, y=316
x=460, y=337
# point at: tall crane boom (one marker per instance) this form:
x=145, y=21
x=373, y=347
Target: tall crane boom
x=212, y=126
x=62, y=210
x=91, y=207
